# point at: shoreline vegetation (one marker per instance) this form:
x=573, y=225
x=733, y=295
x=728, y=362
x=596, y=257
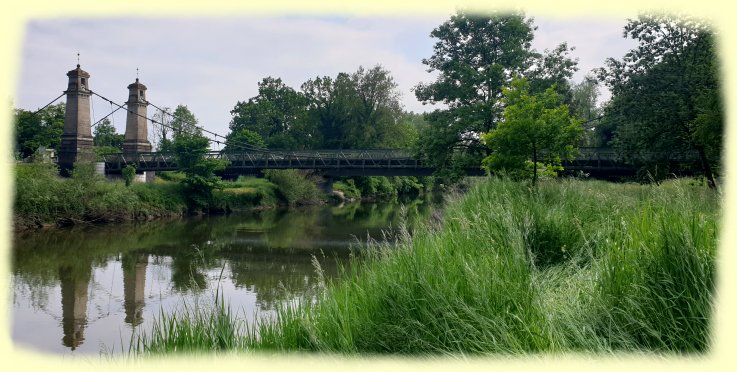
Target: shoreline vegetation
x=568, y=266
x=44, y=199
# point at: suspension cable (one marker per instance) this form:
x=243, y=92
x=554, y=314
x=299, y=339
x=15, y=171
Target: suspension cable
x=246, y=146
x=237, y=145
x=92, y=106
x=49, y=104
x=106, y=116
x=111, y=107
x=172, y=128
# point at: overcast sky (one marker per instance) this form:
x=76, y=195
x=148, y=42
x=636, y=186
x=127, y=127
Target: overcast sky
x=209, y=64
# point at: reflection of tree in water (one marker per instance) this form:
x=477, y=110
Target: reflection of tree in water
x=74, y=286
x=276, y=277
x=295, y=229
x=187, y=269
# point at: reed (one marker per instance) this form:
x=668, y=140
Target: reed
x=572, y=265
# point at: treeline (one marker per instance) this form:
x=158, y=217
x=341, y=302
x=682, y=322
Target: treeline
x=665, y=96
x=358, y=110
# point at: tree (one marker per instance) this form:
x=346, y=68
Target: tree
x=376, y=108
x=584, y=96
x=184, y=121
x=329, y=104
x=104, y=135
x=181, y=121
x=584, y=99
x=552, y=68
x=129, y=174
x=200, y=179
x=42, y=129
x=405, y=131
x=243, y=140
x=161, y=134
x=537, y=128
x=666, y=92
x=476, y=56
x=276, y=114
x=359, y=110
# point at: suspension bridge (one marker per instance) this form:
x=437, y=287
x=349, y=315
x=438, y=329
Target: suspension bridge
x=243, y=158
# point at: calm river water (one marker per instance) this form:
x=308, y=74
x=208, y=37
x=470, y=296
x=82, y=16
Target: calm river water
x=84, y=290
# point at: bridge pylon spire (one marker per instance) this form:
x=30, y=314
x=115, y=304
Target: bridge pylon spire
x=136, y=124
x=76, y=139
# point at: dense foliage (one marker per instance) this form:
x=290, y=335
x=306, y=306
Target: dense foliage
x=199, y=171
x=666, y=94
x=537, y=128
x=358, y=110
x=40, y=129
x=181, y=121
x=43, y=198
x=476, y=57
x=103, y=134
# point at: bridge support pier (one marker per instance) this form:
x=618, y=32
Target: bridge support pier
x=326, y=184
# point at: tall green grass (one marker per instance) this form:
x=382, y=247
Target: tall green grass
x=569, y=266
x=192, y=328
x=44, y=198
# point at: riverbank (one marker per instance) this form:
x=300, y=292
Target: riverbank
x=43, y=199
x=572, y=266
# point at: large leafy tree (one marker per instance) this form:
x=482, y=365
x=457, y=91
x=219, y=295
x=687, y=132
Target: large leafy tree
x=190, y=150
x=537, y=128
x=181, y=121
x=106, y=140
x=476, y=56
x=277, y=114
x=330, y=104
x=376, y=107
x=243, y=140
x=40, y=129
x=666, y=92
x=358, y=110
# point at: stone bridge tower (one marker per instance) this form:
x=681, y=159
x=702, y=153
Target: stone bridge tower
x=136, y=129
x=76, y=140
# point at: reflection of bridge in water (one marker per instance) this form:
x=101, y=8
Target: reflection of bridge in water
x=75, y=283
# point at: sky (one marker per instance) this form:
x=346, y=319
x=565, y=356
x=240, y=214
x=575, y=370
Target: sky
x=209, y=64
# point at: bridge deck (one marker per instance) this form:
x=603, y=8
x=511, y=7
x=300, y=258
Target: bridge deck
x=389, y=162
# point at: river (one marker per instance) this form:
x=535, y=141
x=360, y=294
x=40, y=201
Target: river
x=84, y=290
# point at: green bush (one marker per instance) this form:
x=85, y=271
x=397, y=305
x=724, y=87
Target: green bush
x=348, y=188
x=171, y=176
x=129, y=174
x=294, y=187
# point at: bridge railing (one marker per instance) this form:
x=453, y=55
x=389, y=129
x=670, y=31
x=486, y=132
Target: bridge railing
x=375, y=158
x=303, y=159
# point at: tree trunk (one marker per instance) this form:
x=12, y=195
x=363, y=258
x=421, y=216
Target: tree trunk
x=706, y=167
